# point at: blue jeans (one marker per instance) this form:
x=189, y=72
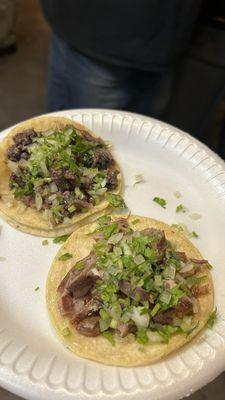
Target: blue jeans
x=76, y=81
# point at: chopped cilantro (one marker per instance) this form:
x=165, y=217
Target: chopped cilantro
x=155, y=309
x=44, y=242
x=79, y=266
x=212, y=319
x=104, y=220
x=209, y=266
x=177, y=227
x=181, y=208
x=141, y=336
x=135, y=221
x=116, y=201
x=65, y=256
x=160, y=201
x=37, y=288
x=60, y=239
x=194, y=234
x=109, y=336
x=66, y=332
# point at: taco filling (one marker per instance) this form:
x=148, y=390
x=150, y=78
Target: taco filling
x=60, y=172
x=133, y=282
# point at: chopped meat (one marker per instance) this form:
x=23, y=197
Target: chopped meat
x=18, y=179
x=98, y=236
x=79, y=204
x=191, y=272
x=125, y=328
x=18, y=150
x=89, y=326
x=137, y=294
x=184, y=307
x=24, y=138
x=181, y=255
x=123, y=225
x=87, y=136
x=64, y=179
x=78, y=282
x=65, y=304
x=29, y=201
x=198, y=262
x=160, y=244
x=199, y=290
x=102, y=158
x=90, y=308
x=112, y=181
x=14, y=152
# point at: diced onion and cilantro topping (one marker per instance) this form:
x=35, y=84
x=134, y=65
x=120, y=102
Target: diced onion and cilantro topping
x=61, y=172
x=141, y=285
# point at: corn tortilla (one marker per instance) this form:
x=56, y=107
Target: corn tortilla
x=29, y=220
x=127, y=352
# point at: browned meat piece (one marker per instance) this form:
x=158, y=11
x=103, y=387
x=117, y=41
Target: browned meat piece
x=137, y=294
x=14, y=152
x=160, y=244
x=112, y=180
x=184, y=307
x=89, y=326
x=181, y=255
x=199, y=290
x=123, y=225
x=164, y=318
x=90, y=308
x=188, y=273
x=79, y=204
x=65, y=304
x=29, y=201
x=198, y=262
x=78, y=282
x=64, y=179
x=25, y=138
x=87, y=136
x=18, y=179
x=124, y=329
x=102, y=158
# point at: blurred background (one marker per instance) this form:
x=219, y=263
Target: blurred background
x=196, y=101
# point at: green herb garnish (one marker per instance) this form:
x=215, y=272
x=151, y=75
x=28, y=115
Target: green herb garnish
x=160, y=201
x=116, y=201
x=66, y=332
x=60, y=239
x=65, y=257
x=194, y=234
x=109, y=336
x=181, y=208
x=135, y=221
x=212, y=319
x=44, y=242
x=37, y=288
x=79, y=266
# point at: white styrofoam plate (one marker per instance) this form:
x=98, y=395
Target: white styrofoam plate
x=33, y=363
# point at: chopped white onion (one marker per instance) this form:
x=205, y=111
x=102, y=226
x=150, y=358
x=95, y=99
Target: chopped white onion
x=154, y=337
x=177, y=195
x=115, y=238
x=53, y=187
x=38, y=201
x=187, y=268
x=139, y=259
x=138, y=179
x=52, y=197
x=195, y=305
x=13, y=166
x=141, y=320
x=195, y=216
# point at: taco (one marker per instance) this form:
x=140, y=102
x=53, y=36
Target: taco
x=128, y=291
x=54, y=175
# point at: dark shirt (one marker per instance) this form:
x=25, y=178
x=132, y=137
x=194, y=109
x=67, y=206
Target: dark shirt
x=142, y=34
